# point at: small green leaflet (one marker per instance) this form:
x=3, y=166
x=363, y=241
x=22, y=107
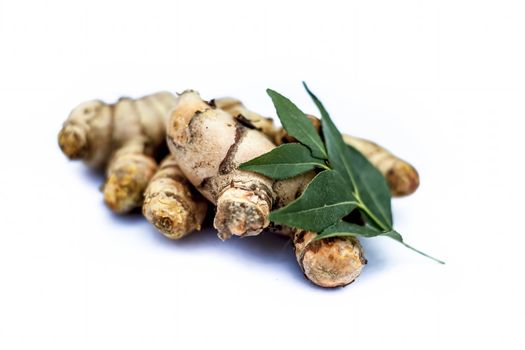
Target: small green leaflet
x=372, y=188
x=297, y=124
x=336, y=147
x=325, y=200
x=283, y=162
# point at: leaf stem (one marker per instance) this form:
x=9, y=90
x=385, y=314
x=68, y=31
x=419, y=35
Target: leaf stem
x=420, y=252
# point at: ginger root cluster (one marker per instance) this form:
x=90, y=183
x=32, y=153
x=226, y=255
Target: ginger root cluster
x=207, y=142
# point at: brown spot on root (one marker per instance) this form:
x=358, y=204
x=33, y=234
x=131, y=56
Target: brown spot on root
x=207, y=186
x=193, y=132
x=299, y=238
x=175, y=144
x=227, y=164
x=246, y=122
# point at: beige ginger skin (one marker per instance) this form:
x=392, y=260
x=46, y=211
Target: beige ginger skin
x=122, y=138
x=237, y=110
x=170, y=203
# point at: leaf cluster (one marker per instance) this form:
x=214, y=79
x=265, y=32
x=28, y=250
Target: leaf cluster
x=345, y=182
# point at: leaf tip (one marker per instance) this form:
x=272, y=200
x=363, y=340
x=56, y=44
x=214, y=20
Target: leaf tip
x=308, y=89
x=271, y=92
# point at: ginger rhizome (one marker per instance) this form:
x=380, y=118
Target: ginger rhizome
x=121, y=138
x=171, y=204
x=208, y=144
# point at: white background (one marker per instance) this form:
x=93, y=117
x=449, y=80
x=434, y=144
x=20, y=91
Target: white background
x=440, y=83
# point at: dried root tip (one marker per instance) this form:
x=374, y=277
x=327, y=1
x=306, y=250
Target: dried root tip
x=331, y=262
x=170, y=204
x=241, y=212
x=73, y=141
x=402, y=178
x=86, y=134
x=127, y=178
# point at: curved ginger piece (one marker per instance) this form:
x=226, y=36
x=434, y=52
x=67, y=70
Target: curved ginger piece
x=122, y=137
x=170, y=204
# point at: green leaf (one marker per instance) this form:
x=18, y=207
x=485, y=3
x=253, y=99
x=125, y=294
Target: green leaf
x=297, y=124
x=325, y=200
x=372, y=187
x=284, y=162
x=367, y=183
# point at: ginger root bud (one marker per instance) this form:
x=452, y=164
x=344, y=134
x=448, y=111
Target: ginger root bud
x=128, y=174
x=170, y=204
